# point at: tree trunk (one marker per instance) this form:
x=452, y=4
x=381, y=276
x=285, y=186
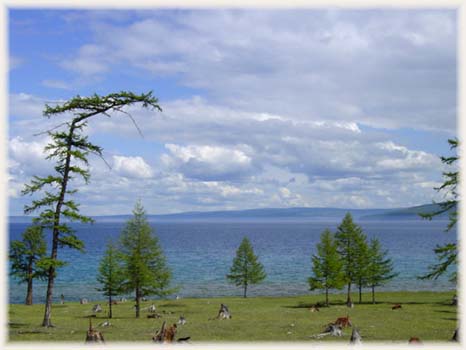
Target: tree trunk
x=360, y=293
x=138, y=297
x=326, y=296
x=110, y=305
x=373, y=294
x=29, y=288
x=245, y=290
x=47, y=322
x=348, y=298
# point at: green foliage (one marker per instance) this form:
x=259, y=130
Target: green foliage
x=246, y=268
x=446, y=254
x=326, y=265
x=111, y=275
x=349, y=237
x=69, y=149
x=379, y=267
x=27, y=254
x=27, y=258
x=362, y=260
x=145, y=268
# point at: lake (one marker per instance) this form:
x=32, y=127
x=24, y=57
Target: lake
x=200, y=255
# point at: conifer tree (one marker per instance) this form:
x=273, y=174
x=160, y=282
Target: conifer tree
x=26, y=257
x=145, y=268
x=361, y=263
x=70, y=148
x=347, y=236
x=111, y=275
x=379, y=267
x=246, y=268
x=447, y=253
x=326, y=265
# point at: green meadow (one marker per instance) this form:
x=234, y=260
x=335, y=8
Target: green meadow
x=426, y=315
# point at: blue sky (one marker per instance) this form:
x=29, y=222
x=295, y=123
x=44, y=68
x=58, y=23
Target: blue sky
x=261, y=108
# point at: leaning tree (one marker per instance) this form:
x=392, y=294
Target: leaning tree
x=70, y=148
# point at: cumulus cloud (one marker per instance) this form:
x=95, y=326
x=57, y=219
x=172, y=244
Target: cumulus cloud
x=208, y=162
x=383, y=68
x=133, y=167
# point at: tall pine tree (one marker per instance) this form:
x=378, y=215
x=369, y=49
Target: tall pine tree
x=246, y=268
x=70, y=148
x=379, y=267
x=111, y=276
x=348, y=238
x=145, y=269
x=361, y=263
x=326, y=266
x=26, y=257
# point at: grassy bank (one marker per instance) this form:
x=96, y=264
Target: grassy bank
x=427, y=315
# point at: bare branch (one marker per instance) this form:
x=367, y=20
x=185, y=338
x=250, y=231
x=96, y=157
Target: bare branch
x=49, y=130
x=132, y=119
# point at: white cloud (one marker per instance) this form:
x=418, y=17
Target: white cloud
x=133, y=167
x=382, y=68
x=56, y=84
x=208, y=163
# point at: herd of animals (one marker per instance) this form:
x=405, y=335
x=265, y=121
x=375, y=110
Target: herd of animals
x=167, y=334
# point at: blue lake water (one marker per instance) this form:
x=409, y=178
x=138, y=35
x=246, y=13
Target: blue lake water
x=200, y=255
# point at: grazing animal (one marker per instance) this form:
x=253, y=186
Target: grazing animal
x=165, y=335
x=97, y=308
x=355, y=337
x=114, y=302
x=154, y=315
x=177, y=297
x=314, y=308
x=334, y=330
x=62, y=299
x=414, y=340
x=182, y=320
x=456, y=336
x=350, y=304
x=94, y=336
x=396, y=306
x=223, y=313
x=331, y=329
x=454, y=300
x=122, y=299
x=143, y=299
x=343, y=322
x=83, y=301
x=151, y=308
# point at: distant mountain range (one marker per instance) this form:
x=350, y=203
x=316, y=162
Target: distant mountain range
x=299, y=213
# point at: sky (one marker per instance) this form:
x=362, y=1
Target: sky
x=261, y=108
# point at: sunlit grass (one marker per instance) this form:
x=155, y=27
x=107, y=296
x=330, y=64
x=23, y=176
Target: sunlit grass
x=426, y=315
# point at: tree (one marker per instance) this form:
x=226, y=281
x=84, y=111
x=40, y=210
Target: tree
x=246, y=268
x=111, y=275
x=361, y=263
x=347, y=236
x=26, y=256
x=70, y=149
x=379, y=267
x=326, y=265
x=446, y=254
x=145, y=268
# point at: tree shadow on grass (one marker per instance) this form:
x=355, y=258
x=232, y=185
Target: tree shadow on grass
x=172, y=305
x=17, y=324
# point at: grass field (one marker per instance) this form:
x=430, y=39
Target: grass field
x=426, y=315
